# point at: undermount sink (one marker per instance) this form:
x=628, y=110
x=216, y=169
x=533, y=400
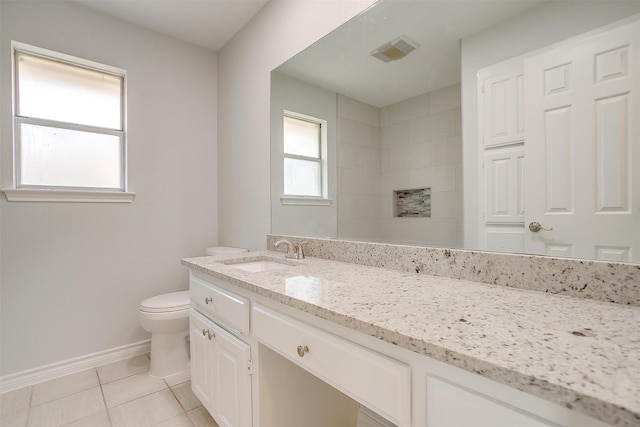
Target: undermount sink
x=255, y=266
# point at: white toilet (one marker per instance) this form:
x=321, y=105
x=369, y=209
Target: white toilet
x=166, y=316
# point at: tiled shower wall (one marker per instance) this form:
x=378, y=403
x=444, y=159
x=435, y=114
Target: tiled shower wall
x=416, y=143
x=358, y=146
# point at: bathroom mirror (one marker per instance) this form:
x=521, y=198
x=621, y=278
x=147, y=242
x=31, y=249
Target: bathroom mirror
x=456, y=144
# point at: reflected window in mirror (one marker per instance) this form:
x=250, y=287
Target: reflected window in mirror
x=304, y=152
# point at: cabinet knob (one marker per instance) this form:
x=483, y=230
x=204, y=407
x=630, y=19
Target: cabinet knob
x=302, y=350
x=204, y=332
x=208, y=300
x=211, y=335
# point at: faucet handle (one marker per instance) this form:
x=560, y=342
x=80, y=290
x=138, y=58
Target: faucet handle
x=300, y=251
x=291, y=248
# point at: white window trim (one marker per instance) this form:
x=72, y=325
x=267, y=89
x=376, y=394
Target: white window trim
x=305, y=201
x=323, y=199
x=36, y=195
x=67, y=194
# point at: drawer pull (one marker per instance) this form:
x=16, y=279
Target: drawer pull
x=208, y=300
x=302, y=350
x=208, y=333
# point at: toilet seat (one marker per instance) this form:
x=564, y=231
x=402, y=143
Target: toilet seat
x=173, y=301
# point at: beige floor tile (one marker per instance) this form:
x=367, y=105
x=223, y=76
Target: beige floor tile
x=201, y=418
x=130, y=388
x=185, y=396
x=17, y=419
x=67, y=409
x=101, y=419
x=181, y=420
x=123, y=368
x=14, y=401
x=146, y=411
x=178, y=378
x=60, y=387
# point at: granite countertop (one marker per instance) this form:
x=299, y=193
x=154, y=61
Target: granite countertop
x=579, y=353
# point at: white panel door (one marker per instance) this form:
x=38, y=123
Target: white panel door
x=583, y=149
x=501, y=150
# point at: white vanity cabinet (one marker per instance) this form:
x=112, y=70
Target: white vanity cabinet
x=404, y=387
x=220, y=362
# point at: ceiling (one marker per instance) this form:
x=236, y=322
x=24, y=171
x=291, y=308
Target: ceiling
x=436, y=25
x=341, y=61
x=206, y=23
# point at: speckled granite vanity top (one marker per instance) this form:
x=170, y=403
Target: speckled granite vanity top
x=579, y=353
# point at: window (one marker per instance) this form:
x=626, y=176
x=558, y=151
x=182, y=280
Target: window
x=69, y=123
x=305, y=156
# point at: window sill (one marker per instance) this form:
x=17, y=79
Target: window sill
x=67, y=196
x=305, y=201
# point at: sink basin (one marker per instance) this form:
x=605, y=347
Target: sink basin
x=257, y=266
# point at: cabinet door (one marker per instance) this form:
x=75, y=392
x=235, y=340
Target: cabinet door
x=220, y=372
x=202, y=359
x=452, y=406
x=231, y=380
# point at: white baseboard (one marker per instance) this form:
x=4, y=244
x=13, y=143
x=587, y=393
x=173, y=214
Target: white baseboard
x=70, y=366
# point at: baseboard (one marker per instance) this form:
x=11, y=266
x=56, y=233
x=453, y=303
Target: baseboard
x=70, y=366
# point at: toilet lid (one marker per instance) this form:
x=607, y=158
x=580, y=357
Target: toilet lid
x=173, y=301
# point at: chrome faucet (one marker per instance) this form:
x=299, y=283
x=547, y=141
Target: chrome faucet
x=293, y=251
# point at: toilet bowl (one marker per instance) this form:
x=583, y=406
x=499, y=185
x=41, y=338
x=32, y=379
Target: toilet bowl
x=166, y=317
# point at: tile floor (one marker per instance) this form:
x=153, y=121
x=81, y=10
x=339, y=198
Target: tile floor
x=120, y=394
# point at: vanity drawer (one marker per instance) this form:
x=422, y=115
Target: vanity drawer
x=378, y=382
x=225, y=306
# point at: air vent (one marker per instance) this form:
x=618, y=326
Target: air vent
x=395, y=49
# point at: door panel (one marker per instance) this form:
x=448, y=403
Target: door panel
x=503, y=109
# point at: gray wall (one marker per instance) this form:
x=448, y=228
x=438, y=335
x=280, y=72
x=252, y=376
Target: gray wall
x=73, y=274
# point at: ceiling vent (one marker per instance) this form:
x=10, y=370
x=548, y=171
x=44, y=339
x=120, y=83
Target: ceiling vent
x=395, y=49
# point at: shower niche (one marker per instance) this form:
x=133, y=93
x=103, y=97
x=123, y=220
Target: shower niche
x=412, y=203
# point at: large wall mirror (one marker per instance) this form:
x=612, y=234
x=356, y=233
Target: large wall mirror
x=506, y=126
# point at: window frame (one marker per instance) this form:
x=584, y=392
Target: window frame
x=28, y=192
x=322, y=161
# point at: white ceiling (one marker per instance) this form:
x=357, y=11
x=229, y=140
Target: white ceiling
x=205, y=23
